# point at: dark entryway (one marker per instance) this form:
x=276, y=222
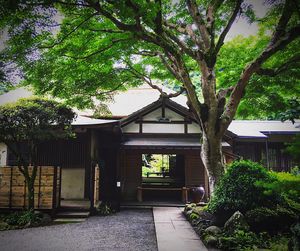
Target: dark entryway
x=163, y=176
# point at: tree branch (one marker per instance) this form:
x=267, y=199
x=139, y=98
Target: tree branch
x=68, y=34
x=105, y=30
x=187, y=30
x=282, y=68
x=227, y=27
x=110, y=91
x=115, y=41
x=283, y=21
x=158, y=18
x=253, y=67
x=182, y=45
x=198, y=19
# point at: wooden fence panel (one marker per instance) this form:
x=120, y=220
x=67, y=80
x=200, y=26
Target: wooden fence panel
x=13, y=188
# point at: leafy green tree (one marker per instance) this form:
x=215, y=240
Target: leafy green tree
x=106, y=45
x=29, y=122
x=266, y=97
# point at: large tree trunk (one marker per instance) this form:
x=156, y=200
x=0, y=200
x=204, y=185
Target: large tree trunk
x=30, y=179
x=211, y=155
x=30, y=193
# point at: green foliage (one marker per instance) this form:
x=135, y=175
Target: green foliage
x=295, y=241
x=240, y=240
x=283, y=185
x=34, y=119
x=28, y=122
x=293, y=111
x=23, y=218
x=293, y=149
x=274, y=97
x=105, y=209
x=237, y=191
x=100, y=57
x=271, y=220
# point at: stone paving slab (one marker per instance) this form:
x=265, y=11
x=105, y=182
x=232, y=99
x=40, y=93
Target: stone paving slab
x=174, y=232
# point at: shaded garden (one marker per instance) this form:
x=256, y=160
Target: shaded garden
x=251, y=208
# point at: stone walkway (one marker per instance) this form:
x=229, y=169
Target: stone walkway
x=174, y=232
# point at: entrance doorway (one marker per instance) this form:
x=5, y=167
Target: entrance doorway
x=162, y=171
x=72, y=188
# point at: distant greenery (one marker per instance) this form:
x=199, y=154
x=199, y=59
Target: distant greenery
x=293, y=148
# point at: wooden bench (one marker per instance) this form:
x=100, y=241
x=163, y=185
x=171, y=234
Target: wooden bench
x=184, y=195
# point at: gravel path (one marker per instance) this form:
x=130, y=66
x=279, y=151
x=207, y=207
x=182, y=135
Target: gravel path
x=127, y=230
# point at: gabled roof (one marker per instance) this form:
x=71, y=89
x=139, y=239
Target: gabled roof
x=134, y=99
x=85, y=121
x=169, y=142
x=166, y=102
x=262, y=128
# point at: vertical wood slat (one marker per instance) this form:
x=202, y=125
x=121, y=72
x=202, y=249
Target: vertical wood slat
x=39, y=193
x=24, y=198
x=54, y=187
x=13, y=191
x=10, y=187
x=59, y=191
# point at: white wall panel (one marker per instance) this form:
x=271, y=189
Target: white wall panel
x=3, y=154
x=131, y=128
x=163, y=128
x=194, y=128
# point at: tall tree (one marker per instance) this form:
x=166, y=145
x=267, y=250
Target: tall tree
x=106, y=45
x=27, y=123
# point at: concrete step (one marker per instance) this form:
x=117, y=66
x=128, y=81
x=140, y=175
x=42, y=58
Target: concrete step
x=73, y=214
x=69, y=220
x=73, y=209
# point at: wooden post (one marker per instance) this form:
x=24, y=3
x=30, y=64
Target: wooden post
x=59, y=191
x=139, y=194
x=92, y=189
x=10, y=188
x=184, y=195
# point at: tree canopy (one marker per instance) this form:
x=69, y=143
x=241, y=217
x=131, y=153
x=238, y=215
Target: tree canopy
x=83, y=49
x=27, y=123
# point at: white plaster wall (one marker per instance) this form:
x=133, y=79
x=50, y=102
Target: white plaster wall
x=155, y=115
x=163, y=128
x=131, y=128
x=3, y=154
x=194, y=128
x=72, y=183
x=173, y=115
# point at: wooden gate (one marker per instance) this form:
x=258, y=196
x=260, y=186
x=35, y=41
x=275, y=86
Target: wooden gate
x=13, y=188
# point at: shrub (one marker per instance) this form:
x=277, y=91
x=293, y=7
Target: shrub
x=285, y=185
x=237, y=191
x=23, y=218
x=105, y=209
x=240, y=240
x=270, y=220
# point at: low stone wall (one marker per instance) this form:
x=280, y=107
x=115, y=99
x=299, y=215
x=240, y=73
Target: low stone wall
x=13, y=188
